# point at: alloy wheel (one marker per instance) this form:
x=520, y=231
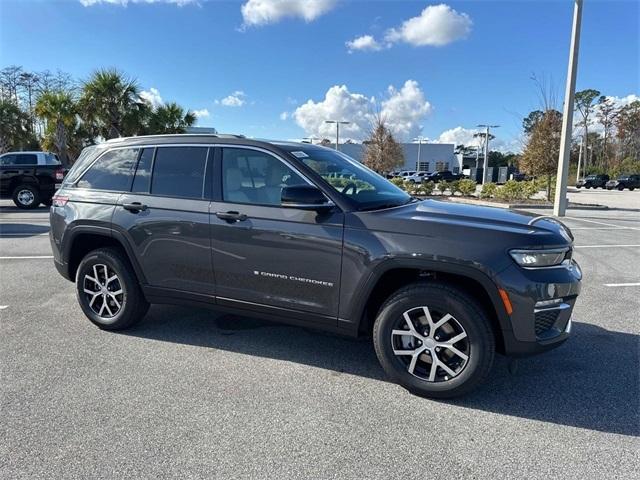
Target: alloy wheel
x=25, y=197
x=434, y=351
x=103, y=291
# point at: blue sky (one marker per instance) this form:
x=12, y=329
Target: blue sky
x=254, y=65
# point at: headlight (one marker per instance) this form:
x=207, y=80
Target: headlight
x=539, y=258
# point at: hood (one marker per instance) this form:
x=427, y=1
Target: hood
x=442, y=218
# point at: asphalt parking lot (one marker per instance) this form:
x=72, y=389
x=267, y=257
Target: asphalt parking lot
x=192, y=394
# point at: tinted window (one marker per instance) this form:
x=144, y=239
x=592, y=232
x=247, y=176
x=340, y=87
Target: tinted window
x=112, y=171
x=87, y=155
x=179, y=171
x=8, y=160
x=250, y=176
x=26, y=159
x=142, y=179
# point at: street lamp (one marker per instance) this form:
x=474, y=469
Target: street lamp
x=338, y=123
x=560, y=202
x=485, y=164
x=419, y=139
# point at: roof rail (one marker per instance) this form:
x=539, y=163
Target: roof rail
x=215, y=135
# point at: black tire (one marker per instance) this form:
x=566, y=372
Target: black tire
x=620, y=187
x=26, y=196
x=578, y=186
x=631, y=189
x=441, y=299
x=133, y=305
x=587, y=186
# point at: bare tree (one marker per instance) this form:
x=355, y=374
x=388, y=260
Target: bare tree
x=606, y=114
x=584, y=104
x=382, y=153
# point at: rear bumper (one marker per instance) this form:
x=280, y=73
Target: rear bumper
x=543, y=302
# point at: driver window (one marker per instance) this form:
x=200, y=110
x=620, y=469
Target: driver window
x=254, y=177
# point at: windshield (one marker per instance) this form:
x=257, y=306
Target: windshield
x=352, y=179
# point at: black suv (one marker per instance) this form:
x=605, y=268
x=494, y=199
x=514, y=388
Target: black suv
x=303, y=234
x=593, y=181
x=624, y=181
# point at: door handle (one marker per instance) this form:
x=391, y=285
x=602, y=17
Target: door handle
x=134, y=207
x=231, y=216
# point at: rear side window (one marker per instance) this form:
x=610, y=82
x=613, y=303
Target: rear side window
x=87, y=156
x=142, y=179
x=112, y=171
x=179, y=171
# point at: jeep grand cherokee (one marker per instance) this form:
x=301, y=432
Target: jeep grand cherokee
x=302, y=234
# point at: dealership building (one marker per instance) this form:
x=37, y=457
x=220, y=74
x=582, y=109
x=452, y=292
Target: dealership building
x=433, y=156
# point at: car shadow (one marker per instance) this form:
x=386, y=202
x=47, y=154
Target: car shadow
x=22, y=230
x=590, y=382
x=11, y=208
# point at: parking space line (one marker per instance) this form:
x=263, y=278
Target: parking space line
x=601, y=228
x=602, y=223
x=637, y=284
x=604, y=246
x=14, y=234
x=26, y=257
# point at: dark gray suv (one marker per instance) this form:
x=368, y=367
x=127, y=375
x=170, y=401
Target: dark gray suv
x=306, y=235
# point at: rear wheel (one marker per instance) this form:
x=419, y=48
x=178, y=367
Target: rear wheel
x=108, y=291
x=434, y=340
x=620, y=187
x=631, y=189
x=26, y=197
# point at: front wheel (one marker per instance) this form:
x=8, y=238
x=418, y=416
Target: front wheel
x=108, y=291
x=434, y=340
x=620, y=187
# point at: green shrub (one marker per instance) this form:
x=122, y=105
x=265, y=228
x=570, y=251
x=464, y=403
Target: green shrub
x=454, y=187
x=398, y=182
x=529, y=189
x=427, y=187
x=488, y=190
x=442, y=187
x=467, y=187
x=510, y=191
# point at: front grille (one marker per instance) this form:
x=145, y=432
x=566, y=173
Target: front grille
x=545, y=320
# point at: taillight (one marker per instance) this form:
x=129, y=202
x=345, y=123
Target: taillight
x=59, y=200
x=60, y=174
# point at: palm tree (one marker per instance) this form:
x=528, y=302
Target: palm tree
x=109, y=100
x=170, y=118
x=59, y=110
x=14, y=127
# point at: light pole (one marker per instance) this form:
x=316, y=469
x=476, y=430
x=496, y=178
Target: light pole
x=338, y=123
x=560, y=202
x=485, y=164
x=419, y=139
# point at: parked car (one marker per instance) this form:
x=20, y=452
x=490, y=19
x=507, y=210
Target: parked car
x=624, y=181
x=418, y=177
x=405, y=174
x=258, y=228
x=30, y=178
x=593, y=181
x=445, y=175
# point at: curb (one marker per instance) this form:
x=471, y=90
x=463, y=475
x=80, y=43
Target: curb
x=484, y=203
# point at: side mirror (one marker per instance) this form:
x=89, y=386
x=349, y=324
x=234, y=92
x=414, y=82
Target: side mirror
x=304, y=197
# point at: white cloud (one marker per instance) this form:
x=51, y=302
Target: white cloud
x=236, y=99
x=460, y=136
x=124, y=3
x=402, y=110
x=465, y=136
x=437, y=25
x=152, y=97
x=201, y=113
x=284, y=116
x=364, y=42
x=263, y=12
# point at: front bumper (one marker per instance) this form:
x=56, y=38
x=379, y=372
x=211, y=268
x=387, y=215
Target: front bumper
x=543, y=302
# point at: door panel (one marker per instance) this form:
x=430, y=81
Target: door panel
x=277, y=256
x=171, y=240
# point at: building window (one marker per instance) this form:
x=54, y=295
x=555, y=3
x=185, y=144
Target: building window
x=422, y=166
